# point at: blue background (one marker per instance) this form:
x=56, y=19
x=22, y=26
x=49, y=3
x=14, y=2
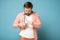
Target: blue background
x=49, y=11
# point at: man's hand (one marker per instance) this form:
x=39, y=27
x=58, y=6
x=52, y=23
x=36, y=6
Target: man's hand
x=29, y=23
x=22, y=25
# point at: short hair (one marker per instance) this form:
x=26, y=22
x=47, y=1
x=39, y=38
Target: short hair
x=28, y=5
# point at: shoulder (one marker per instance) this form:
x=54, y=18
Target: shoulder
x=20, y=14
x=35, y=13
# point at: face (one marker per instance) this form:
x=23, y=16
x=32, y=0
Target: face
x=27, y=10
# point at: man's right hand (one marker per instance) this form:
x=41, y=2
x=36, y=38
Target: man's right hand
x=22, y=25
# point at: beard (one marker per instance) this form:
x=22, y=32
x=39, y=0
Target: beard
x=29, y=13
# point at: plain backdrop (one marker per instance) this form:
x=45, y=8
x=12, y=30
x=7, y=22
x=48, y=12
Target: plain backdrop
x=49, y=11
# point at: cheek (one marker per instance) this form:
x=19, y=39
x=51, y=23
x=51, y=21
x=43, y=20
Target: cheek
x=26, y=11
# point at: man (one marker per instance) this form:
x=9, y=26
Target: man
x=28, y=21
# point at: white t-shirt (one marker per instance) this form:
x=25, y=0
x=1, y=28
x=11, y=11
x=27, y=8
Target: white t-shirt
x=28, y=32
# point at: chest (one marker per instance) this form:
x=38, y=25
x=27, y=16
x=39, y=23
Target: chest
x=27, y=18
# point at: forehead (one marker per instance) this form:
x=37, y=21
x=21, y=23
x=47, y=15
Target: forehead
x=27, y=8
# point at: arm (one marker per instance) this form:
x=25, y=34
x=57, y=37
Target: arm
x=17, y=23
x=37, y=22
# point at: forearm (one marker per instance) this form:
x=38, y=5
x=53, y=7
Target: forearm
x=15, y=24
x=37, y=25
